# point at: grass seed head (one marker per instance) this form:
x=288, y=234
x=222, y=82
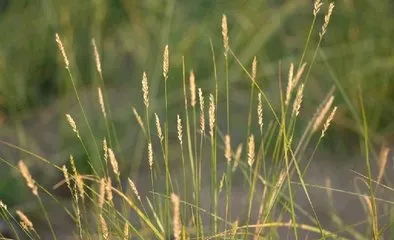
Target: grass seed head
x=28, y=178
x=177, y=226
x=145, y=89
x=192, y=81
x=165, y=63
x=97, y=58
x=25, y=221
x=225, y=35
x=61, y=48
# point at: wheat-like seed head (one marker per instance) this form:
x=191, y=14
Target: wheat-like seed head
x=28, y=178
x=254, y=68
x=113, y=161
x=227, y=148
x=251, y=150
x=73, y=125
x=316, y=7
x=158, y=127
x=328, y=121
x=326, y=20
x=145, y=89
x=101, y=101
x=108, y=190
x=237, y=156
x=73, y=167
x=165, y=63
x=211, y=114
x=289, y=84
x=134, y=188
x=179, y=127
x=61, y=47
x=202, y=113
x=298, y=75
x=139, y=119
x=104, y=228
x=79, y=182
x=101, y=194
x=126, y=231
x=25, y=221
x=260, y=111
x=321, y=113
x=66, y=176
x=105, y=149
x=225, y=34
x=298, y=100
x=176, y=217
x=97, y=58
x=192, y=81
x=150, y=156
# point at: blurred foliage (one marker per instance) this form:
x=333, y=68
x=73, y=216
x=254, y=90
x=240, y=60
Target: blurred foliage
x=356, y=54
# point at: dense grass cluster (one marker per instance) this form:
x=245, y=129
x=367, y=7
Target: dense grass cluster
x=269, y=163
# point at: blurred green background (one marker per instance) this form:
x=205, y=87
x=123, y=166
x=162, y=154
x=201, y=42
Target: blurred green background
x=355, y=56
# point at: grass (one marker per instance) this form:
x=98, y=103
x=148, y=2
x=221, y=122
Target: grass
x=271, y=169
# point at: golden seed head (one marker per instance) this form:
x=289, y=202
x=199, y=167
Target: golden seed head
x=384, y=152
x=113, y=161
x=28, y=178
x=73, y=167
x=225, y=34
x=145, y=89
x=326, y=20
x=61, y=47
x=176, y=217
x=101, y=101
x=105, y=149
x=126, y=231
x=139, y=119
x=25, y=221
x=202, y=114
x=227, y=148
x=150, y=156
x=328, y=121
x=251, y=150
x=165, y=62
x=97, y=58
x=79, y=182
x=72, y=123
x=192, y=81
x=211, y=116
x=134, y=188
x=66, y=176
x=321, y=113
x=254, y=68
x=289, y=84
x=158, y=127
x=298, y=100
x=179, y=127
x=101, y=193
x=260, y=111
x=316, y=7
x=298, y=75
x=108, y=190
x=104, y=228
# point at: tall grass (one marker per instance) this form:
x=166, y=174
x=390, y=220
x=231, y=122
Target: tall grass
x=270, y=166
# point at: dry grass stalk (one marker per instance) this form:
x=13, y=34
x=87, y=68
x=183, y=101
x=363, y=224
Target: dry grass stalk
x=145, y=89
x=192, y=82
x=165, y=63
x=97, y=58
x=299, y=73
x=158, y=127
x=28, y=178
x=237, y=156
x=179, y=127
x=260, y=111
x=221, y=183
x=254, y=68
x=321, y=113
x=101, y=101
x=101, y=199
x=73, y=125
x=227, y=148
x=211, y=115
x=126, y=231
x=61, y=47
x=298, y=100
x=134, y=188
x=251, y=150
x=225, y=35
x=108, y=190
x=202, y=113
x=25, y=221
x=176, y=217
x=383, y=156
x=326, y=20
x=289, y=84
x=316, y=7
x=328, y=121
x=105, y=149
x=139, y=119
x=150, y=156
x=104, y=228
x=113, y=161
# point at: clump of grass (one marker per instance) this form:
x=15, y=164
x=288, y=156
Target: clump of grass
x=270, y=164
